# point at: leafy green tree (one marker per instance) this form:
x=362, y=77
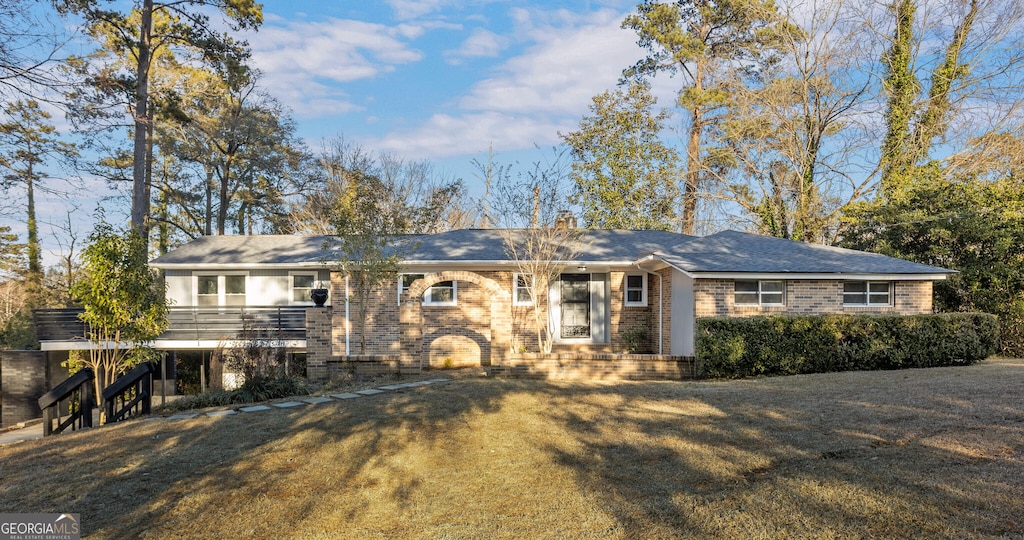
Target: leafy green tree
x=973, y=227
x=27, y=140
x=243, y=145
x=624, y=174
x=188, y=25
x=712, y=45
x=125, y=304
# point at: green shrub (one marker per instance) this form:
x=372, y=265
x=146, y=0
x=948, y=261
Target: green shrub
x=788, y=345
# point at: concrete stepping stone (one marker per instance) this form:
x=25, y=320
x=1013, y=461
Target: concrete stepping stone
x=317, y=399
x=439, y=380
x=182, y=416
x=370, y=392
x=255, y=408
x=392, y=387
x=345, y=396
x=221, y=413
x=288, y=404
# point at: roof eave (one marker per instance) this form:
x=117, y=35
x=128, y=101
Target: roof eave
x=858, y=276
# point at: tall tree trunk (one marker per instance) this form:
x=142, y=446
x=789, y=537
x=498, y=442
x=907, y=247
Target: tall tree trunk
x=208, y=231
x=901, y=85
x=35, y=267
x=691, y=182
x=222, y=211
x=140, y=201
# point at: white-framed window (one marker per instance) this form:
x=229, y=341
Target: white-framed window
x=404, y=282
x=760, y=293
x=445, y=293
x=302, y=284
x=635, y=290
x=867, y=293
x=220, y=289
x=521, y=290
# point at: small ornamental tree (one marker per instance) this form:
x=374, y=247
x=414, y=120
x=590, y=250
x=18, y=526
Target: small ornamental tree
x=542, y=250
x=125, y=305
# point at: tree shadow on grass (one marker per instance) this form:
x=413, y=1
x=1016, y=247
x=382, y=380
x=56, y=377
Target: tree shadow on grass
x=168, y=476
x=768, y=458
x=893, y=454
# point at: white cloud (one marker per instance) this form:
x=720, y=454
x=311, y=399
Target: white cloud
x=531, y=97
x=447, y=135
x=300, y=60
x=481, y=43
x=411, y=9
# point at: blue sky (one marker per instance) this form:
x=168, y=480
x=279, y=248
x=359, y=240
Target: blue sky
x=434, y=80
x=442, y=80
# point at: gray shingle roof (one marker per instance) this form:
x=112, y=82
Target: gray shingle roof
x=246, y=251
x=733, y=251
x=727, y=251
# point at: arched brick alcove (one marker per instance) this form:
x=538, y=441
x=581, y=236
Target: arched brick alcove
x=410, y=317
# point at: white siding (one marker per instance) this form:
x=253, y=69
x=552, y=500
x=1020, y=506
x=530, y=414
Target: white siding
x=683, y=318
x=267, y=290
x=262, y=287
x=179, y=289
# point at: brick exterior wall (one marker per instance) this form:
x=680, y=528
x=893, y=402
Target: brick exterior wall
x=319, y=342
x=484, y=328
x=622, y=317
x=715, y=298
x=24, y=377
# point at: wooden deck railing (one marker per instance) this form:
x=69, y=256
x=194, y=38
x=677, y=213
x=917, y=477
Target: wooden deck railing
x=130, y=394
x=191, y=323
x=76, y=394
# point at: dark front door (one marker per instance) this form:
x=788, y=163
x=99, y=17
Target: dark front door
x=575, y=305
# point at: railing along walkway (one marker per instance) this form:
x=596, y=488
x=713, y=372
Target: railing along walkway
x=130, y=394
x=76, y=394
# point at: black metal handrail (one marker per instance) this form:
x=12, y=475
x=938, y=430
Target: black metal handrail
x=130, y=394
x=56, y=324
x=186, y=322
x=276, y=322
x=77, y=391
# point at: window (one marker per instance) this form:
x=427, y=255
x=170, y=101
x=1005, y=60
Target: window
x=760, y=293
x=636, y=290
x=444, y=293
x=234, y=290
x=220, y=290
x=521, y=293
x=404, y=282
x=206, y=291
x=302, y=285
x=867, y=293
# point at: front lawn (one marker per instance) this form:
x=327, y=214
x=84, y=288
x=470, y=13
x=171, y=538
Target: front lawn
x=892, y=454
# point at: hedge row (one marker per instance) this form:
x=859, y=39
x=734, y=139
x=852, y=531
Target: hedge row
x=788, y=345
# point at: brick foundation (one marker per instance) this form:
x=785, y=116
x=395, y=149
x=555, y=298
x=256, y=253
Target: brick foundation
x=609, y=367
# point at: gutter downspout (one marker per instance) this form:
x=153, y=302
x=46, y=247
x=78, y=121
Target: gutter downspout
x=348, y=323
x=661, y=308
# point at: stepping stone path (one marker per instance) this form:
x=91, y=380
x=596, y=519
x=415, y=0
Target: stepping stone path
x=303, y=401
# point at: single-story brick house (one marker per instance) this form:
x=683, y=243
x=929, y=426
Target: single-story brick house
x=459, y=298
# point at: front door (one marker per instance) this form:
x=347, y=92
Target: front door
x=575, y=290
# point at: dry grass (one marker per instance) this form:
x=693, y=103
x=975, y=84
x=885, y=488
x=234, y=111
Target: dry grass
x=936, y=453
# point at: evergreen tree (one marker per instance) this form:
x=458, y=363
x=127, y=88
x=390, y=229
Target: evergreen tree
x=624, y=174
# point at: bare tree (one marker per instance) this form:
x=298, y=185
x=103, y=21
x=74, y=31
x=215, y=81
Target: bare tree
x=796, y=132
x=539, y=235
